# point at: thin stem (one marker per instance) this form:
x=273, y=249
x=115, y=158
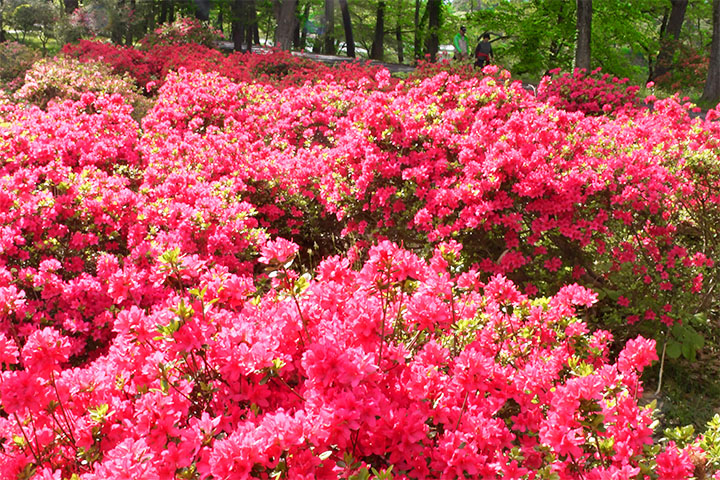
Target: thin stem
x=382, y=333
x=462, y=410
x=291, y=288
x=662, y=365
x=602, y=458
x=62, y=407
x=27, y=440
x=62, y=431
x=283, y=382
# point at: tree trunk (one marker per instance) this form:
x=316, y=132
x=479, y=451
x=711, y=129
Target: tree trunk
x=399, y=39
x=239, y=24
x=377, y=51
x=416, y=37
x=2, y=30
x=251, y=26
x=669, y=38
x=117, y=32
x=296, y=34
x=129, y=26
x=584, y=30
x=286, y=20
x=329, y=22
x=164, y=7
x=202, y=10
x=433, y=41
x=347, y=26
x=244, y=24
x=711, y=94
x=71, y=6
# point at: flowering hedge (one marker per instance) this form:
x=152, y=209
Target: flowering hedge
x=593, y=93
x=151, y=66
x=288, y=270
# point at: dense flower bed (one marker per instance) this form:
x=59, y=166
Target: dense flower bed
x=288, y=270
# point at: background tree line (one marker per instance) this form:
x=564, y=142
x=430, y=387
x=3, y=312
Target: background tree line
x=667, y=41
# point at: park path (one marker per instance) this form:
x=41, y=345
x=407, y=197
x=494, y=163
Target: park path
x=330, y=59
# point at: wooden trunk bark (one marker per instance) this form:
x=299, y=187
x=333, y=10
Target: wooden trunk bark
x=202, y=10
x=669, y=37
x=329, y=22
x=239, y=24
x=164, y=8
x=2, y=30
x=252, y=25
x=584, y=30
x=377, y=51
x=711, y=94
x=417, y=49
x=286, y=20
x=434, y=8
x=399, y=40
x=347, y=26
x=71, y=6
x=129, y=26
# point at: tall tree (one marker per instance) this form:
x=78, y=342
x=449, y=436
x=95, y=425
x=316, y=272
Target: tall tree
x=347, y=26
x=669, y=36
x=244, y=25
x=584, y=33
x=164, y=10
x=434, y=11
x=399, y=40
x=202, y=10
x=711, y=94
x=378, y=45
x=300, y=33
x=239, y=24
x=417, y=36
x=129, y=27
x=2, y=29
x=329, y=24
x=71, y=6
x=285, y=13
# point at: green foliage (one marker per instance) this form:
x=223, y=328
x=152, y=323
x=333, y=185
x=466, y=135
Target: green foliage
x=685, y=341
x=30, y=17
x=710, y=443
x=541, y=34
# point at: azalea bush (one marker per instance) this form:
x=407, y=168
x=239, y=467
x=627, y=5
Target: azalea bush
x=122, y=60
x=183, y=31
x=153, y=64
x=402, y=366
x=287, y=270
x=570, y=198
x=593, y=93
x=15, y=60
x=65, y=78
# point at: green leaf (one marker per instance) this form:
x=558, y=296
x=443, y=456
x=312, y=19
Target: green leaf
x=99, y=413
x=673, y=350
x=688, y=351
x=170, y=257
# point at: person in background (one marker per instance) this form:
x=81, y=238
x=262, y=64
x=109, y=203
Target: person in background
x=461, y=45
x=483, y=51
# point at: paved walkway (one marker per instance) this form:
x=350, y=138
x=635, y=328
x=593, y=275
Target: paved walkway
x=330, y=59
